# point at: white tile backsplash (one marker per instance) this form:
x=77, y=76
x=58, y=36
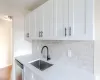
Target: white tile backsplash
x=82, y=52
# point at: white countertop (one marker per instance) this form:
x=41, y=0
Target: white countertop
x=59, y=71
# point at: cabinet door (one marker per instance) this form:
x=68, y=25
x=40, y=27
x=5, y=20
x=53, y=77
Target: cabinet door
x=26, y=27
x=39, y=21
x=77, y=19
x=58, y=18
x=33, y=24
x=48, y=19
x=28, y=74
x=89, y=20
x=61, y=18
x=66, y=16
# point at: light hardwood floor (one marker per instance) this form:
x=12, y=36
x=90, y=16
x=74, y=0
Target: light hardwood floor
x=5, y=73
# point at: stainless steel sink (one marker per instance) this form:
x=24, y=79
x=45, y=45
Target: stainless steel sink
x=41, y=65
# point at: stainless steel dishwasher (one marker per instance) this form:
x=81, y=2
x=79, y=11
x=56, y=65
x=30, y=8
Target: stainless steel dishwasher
x=19, y=70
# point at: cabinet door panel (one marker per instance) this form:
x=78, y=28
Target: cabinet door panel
x=48, y=19
x=77, y=17
x=89, y=20
x=26, y=27
x=39, y=20
x=58, y=18
x=33, y=24
x=66, y=15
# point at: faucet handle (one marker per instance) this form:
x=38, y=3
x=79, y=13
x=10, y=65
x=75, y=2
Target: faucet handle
x=48, y=58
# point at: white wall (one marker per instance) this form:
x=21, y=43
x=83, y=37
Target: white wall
x=20, y=46
x=5, y=43
x=97, y=37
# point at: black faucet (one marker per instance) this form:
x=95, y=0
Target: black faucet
x=48, y=56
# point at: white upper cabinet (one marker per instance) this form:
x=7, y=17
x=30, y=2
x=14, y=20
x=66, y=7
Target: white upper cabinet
x=61, y=20
x=66, y=17
x=27, y=28
x=77, y=19
x=33, y=24
x=72, y=19
x=48, y=19
x=59, y=28
x=39, y=21
x=43, y=21
x=90, y=20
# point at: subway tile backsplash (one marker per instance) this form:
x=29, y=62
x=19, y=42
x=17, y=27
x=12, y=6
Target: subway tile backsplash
x=82, y=52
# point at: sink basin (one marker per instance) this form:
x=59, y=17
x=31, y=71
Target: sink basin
x=41, y=65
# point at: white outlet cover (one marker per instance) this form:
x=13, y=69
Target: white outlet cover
x=69, y=53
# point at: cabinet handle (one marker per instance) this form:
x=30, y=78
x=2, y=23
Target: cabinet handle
x=65, y=32
x=70, y=32
x=27, y=35
x=41, y=33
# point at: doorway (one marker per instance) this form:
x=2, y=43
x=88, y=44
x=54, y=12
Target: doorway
x=5, y=49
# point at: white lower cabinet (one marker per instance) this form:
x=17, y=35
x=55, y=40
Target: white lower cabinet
x=28, y=74
x=37, y=77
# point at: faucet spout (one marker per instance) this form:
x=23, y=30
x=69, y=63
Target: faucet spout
x=48, y=56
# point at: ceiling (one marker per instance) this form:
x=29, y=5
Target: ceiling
x=14, y=7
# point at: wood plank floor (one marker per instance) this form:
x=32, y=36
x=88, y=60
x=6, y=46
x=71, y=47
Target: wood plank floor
x=5, y=73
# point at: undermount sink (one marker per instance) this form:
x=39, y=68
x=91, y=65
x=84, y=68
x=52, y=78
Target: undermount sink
x=41, y=65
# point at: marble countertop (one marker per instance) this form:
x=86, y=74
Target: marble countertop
x=59, y=71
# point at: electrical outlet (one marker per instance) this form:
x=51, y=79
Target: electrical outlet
x=69, y=53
